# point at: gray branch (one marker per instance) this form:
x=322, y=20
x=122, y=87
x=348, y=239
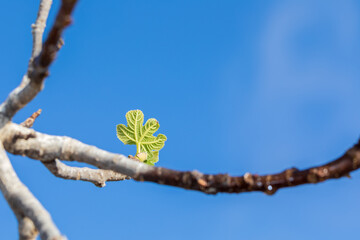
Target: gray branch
x=27, y=90
x=17, y=139
x=38, y=27
x=99, y=177
x=23, y=203
x=46, y=148
x=41, y=59
x=29, y=212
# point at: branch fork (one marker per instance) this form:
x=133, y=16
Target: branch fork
x=52, y=151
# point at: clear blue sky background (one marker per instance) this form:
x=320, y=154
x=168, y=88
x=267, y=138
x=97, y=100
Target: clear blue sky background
x=238, y=86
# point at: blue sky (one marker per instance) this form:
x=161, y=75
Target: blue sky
x=237, y=86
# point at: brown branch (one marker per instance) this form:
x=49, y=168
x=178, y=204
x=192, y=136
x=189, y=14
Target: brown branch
x=32, y=82
x=28, y=123
x=268, y=184
x=22, y=141
x=19, y=140
x=99, y=177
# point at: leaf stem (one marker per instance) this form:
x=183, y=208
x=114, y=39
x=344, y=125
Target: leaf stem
x=137, y=148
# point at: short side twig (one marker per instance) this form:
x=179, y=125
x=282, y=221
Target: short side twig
x=29, y=122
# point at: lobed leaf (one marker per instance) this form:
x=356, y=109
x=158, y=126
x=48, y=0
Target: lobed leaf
x=142, y=136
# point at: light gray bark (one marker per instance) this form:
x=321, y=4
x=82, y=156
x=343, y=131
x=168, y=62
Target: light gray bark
x=99, y=177
x=32, y=217
x=38, y=27
x=17, y=139
x=22, y=202
x=27, y=229
x=27, y=142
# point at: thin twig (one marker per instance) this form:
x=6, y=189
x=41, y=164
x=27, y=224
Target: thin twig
x=22, y=141
x=29, y=122
x=27, y=230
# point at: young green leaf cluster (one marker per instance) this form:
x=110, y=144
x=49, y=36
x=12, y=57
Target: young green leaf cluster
x=135, y=133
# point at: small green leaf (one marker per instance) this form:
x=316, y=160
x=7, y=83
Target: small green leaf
x=142, y=136
x=152, y=159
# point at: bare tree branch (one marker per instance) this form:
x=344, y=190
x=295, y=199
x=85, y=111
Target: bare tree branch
x=99, y=177
x=28, y=123
x=27, y=142
x=59, y=169
x=27, y=229
x=32, y=82
x=52, y=43
x=22, y=202
x=22, y=141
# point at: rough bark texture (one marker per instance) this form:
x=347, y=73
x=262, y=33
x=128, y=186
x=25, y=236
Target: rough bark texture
x=32, y=82
x=22, y=202
x=50, y=150
x=99, y=177
x=268, y=184
x=21, y=141
x=38, y=28
x=32, y=217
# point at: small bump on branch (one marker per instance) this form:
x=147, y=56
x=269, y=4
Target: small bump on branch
x=268, y=184
x=45, y=147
